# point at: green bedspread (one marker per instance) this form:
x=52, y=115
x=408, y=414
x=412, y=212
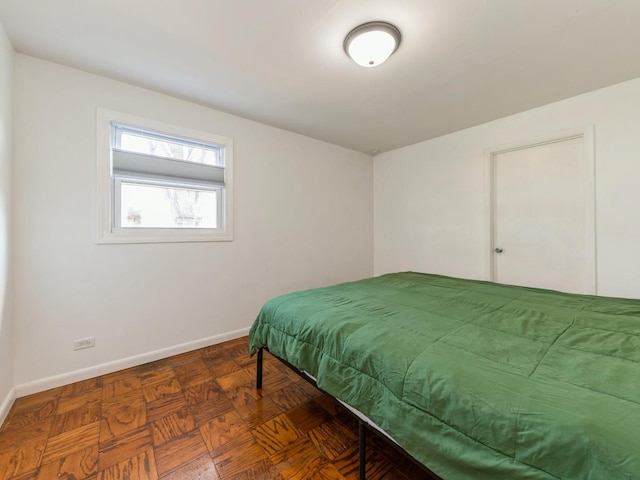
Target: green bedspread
x=474, y=379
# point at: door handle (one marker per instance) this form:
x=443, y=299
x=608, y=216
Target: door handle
x=498, y=250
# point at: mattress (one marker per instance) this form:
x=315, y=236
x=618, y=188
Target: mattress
x=475, y=380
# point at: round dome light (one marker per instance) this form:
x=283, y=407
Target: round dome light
x=372, y=43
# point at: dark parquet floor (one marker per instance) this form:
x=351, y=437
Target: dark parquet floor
x=192, y=416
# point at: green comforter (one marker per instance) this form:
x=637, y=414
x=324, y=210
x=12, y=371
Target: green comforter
x=476, y=380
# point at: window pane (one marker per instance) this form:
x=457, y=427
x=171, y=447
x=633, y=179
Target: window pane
x=157, y=145
x=154, y=206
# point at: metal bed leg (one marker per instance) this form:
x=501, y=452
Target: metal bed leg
x=259, y=372
x=362, y=430
x=362, y=426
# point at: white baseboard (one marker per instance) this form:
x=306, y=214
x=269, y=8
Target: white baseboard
x=110, y=367
x=6, y=405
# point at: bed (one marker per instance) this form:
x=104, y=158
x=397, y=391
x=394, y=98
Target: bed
x=475, y=380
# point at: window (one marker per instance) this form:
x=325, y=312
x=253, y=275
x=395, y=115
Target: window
x=161, y=183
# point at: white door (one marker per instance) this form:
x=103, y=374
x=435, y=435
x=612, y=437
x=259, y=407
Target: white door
x=542, y=225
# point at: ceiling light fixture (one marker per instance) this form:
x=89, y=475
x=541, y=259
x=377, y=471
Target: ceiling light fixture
x=370, y=44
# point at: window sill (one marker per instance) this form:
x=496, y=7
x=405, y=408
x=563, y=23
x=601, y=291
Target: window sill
x=164, y=237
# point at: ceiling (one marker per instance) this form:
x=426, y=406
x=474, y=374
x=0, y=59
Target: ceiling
x=280, y=62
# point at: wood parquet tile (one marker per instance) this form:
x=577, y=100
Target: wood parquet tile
x=117, y=450
x=165, y=406
x=69, y=403
x=202, y=392
x=223, y=429
x=332, y=438
x=183, y=449
x=70, y=442
x=122, y=415
x=276, y=434
x=194, y=416
x=172, y=426
x=139, y=467
x=81, y=464
x=77, y=418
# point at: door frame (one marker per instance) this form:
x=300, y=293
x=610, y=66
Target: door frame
x=588, y=143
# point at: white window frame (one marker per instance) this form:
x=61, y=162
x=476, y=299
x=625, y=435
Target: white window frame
x=108, y=186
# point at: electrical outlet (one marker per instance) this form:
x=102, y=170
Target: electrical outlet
x=84, y=343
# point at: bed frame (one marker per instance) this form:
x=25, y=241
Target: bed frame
x=363, y=425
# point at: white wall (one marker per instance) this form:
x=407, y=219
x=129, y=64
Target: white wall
x=429, y=197
x=6, y=322
x=303, y=218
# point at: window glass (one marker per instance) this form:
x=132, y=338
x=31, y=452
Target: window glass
x=155, y=206
x=149, y=143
